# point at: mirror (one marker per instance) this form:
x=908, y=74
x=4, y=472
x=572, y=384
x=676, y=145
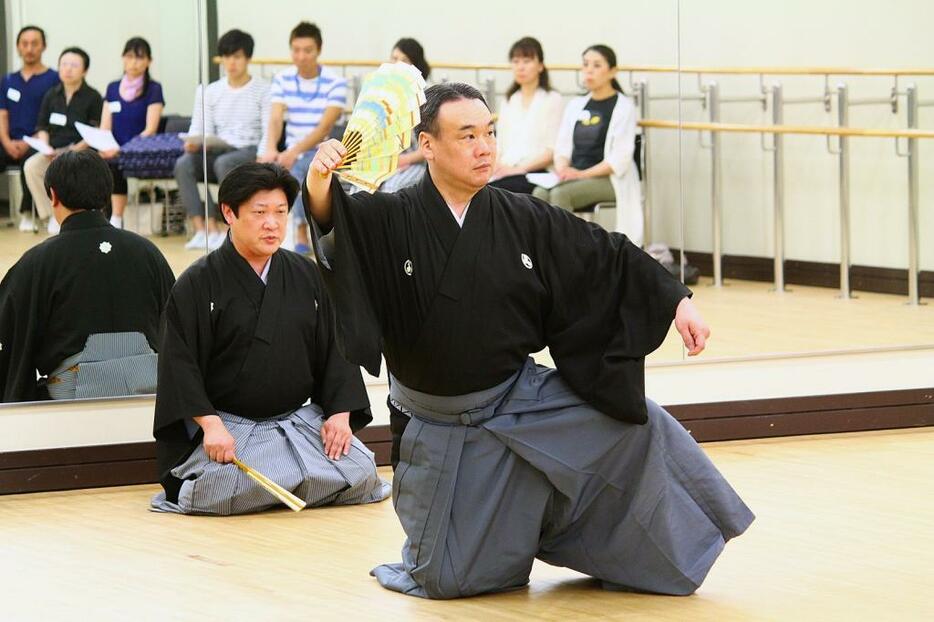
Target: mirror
x=142, y=61
x=807, y=241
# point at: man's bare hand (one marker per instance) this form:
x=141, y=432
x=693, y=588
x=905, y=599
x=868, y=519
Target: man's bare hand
x=287, y=158
x=336, y=435
x=329, y=156
x=267, y=157
x=219, y=445
x=692, y=327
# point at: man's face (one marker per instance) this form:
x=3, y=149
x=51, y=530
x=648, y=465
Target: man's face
x=30, y=47
x=235, y=64
x=464, y=149
x=304, y=54
x=259, y=228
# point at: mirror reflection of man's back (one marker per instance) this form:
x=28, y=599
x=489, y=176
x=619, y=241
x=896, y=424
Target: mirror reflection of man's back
x=82, y=308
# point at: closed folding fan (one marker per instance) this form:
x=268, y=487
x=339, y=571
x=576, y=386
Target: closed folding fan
x=380, y=127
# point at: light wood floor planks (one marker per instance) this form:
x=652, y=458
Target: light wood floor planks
x=845, y=531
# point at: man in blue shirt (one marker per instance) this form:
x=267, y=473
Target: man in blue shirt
x=21, y=94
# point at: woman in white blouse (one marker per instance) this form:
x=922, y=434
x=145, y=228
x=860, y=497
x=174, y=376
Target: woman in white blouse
x=594, y=153
x=528, y=122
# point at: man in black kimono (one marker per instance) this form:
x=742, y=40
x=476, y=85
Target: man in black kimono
x=247, y=340
x=82, y=308
x=498, y=460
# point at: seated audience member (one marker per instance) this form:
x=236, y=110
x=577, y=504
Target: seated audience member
x=21, y=94
x=411, y=162
x=82, y=307
x=132, y=107
x=234, y=109
x=248, y=338
x=309, y=99
x=528, y=121
x=71, y=101
x=594, y=151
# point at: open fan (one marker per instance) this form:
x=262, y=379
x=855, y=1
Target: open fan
x=380, y=127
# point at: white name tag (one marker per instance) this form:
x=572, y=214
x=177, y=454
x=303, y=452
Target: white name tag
x=114, y=106
x=12, y=94
x=57, y=118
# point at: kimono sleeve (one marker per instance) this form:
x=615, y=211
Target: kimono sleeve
x=338, y=384
x=352, y=256
x=184, y=347
x=19, y=334
x=611, y=306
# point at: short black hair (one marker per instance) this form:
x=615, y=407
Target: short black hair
x=233, y=41
x=76, y=50
x=27, y=29
x=306, y=30
x=81, y=179
x=251, y=177
x=438, y=95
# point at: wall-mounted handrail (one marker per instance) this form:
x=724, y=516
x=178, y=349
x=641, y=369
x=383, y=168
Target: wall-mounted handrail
x=844, y=133
x=709, y=70
x=703, y=126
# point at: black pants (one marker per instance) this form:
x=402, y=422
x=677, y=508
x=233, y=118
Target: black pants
x=7, y=161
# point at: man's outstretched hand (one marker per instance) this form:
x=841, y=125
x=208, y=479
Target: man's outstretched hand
x=694, y=330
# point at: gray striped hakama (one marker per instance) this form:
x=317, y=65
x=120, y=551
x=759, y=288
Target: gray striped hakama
x=286, y=449
x=110, y=364
x=488, y=482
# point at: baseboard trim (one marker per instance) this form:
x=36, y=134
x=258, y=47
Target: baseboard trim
x=814, y=274
x=134, y=463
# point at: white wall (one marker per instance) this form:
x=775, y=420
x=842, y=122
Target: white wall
x=101, y=27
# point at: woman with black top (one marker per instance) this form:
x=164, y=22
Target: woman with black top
x=595, y=147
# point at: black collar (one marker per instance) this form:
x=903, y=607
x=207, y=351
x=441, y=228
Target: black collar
x=440, y=215
x=85, y=219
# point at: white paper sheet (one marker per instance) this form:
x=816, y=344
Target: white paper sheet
x=210, y=140
x=545, y=180
x=102, y=140
x=39, y=145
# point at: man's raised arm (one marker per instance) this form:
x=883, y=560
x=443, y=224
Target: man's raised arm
x=330, y=155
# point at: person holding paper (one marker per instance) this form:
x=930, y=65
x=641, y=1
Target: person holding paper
x=132, y=107
x=234, y=109
x=21, y=94
x=63, y=105
x=528, y=124
x=596, y=147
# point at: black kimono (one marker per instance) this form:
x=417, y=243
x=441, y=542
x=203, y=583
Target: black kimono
x=459, y=310
x=232, y=345
x=90, y=279
x=501, y=461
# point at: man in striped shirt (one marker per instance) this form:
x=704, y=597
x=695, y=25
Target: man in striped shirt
x=234, y=109
x=309, y=100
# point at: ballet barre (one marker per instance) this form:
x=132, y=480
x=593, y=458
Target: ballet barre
x=844, y=133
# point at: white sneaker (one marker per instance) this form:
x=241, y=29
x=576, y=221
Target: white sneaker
x=216, y=239
x=196, y=242
x=26, y=225
x=117, y=221
x=54, y=227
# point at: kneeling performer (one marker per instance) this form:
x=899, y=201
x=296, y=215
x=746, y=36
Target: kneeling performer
x=247, y=339
x=499, y=460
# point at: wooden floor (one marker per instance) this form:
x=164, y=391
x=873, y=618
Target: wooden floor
x=746, y=317
x=845, y=531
